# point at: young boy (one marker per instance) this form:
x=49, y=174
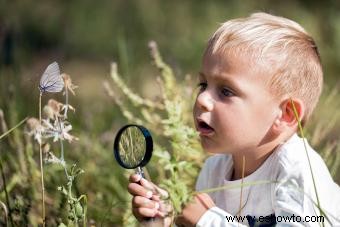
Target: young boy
x=255, y=72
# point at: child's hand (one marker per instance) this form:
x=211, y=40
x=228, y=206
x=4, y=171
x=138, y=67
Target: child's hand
x=147, y=200
x=194, y=210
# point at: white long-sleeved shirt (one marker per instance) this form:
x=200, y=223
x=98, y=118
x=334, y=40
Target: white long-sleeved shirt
x=283, y=195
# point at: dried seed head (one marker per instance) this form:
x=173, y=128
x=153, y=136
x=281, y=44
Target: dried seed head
x=68, y=83
x=51, y=158
x=33, y=124
x=53, y=109
x=55, y=105
x=48, y=112
x=35, y=128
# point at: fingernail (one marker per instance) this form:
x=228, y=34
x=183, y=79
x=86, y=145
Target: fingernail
x=156, y=206
x=149, y=194
x=156, y=197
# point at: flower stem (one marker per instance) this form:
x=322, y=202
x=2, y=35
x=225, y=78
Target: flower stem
x=41, y=170
x=61, y=151
x=66, y=106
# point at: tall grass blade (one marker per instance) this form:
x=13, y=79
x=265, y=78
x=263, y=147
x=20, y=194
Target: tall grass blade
x=309, y=163
x=16, y=126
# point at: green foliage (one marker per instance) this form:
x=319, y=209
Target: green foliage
x=178, y=158
x=323, y=129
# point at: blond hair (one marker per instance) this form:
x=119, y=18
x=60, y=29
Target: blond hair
x=284, y=46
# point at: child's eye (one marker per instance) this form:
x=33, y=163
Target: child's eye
x=226, y=92
x=202, y=86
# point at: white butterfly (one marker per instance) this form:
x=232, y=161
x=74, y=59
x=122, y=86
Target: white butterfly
x=51, y=80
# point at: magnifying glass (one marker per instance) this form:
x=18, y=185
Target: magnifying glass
x=133, y=147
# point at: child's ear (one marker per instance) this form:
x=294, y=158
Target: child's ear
x=290, y=109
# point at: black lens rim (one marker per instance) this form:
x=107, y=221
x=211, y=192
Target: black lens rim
x=148, y=146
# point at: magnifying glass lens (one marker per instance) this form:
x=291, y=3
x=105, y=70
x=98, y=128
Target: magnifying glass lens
x=132, y=146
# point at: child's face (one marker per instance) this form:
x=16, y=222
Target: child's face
x=234, y=110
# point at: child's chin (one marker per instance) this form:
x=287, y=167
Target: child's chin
x=215, y=151
x=211, y=148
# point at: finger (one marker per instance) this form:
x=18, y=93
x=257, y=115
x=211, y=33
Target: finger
x=156, y=197
x=158, y=192
x=139, y=201
x=148, y=185
x=140, y=213
x=134, y=178
x=138, y=190
x=165, y=210
x=162, y=214
x=137, y=215
x=154, y=188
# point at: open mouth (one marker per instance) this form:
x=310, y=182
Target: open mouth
x=204, y=128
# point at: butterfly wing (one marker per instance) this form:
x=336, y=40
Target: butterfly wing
x=51, y=80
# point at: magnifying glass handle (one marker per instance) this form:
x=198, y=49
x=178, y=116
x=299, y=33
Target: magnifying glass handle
x=140, y=172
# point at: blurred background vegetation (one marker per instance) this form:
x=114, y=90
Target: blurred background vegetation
x=85, y=36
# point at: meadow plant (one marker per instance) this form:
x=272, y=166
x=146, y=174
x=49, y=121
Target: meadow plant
x=54, y=125
x=178, y=158
x=6, y=207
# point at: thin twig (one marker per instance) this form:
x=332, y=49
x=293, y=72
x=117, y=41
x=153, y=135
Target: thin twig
x=9, y=131
x=41, y=169
x=209, y=190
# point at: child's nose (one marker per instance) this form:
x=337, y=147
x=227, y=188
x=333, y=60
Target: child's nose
x=205, y=101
